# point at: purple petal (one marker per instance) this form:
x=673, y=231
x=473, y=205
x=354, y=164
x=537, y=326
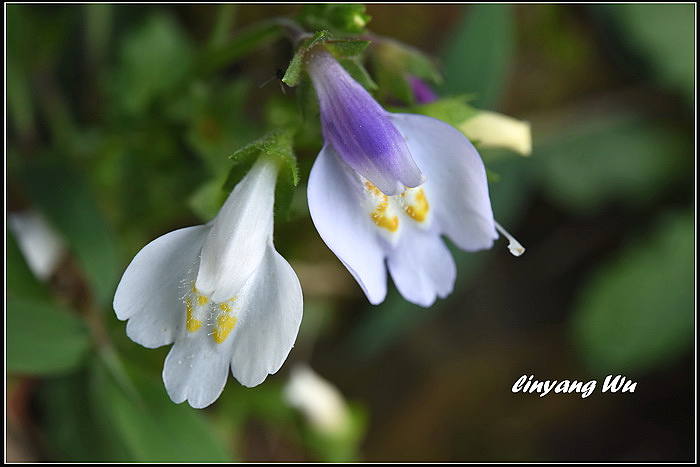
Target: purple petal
x=359, y=129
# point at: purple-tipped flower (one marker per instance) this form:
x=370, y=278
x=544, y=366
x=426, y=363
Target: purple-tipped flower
x=367, y=199
x=359, y=129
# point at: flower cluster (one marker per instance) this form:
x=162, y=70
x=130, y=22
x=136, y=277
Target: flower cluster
x=383, y=191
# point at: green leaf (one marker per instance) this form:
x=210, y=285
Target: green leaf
x=43, y=338
x=155, y=59
x=295, y=70
x=480, y=53
x=69, y=428
x=339, y=18
x=20, y=99
x=358, y=73
x=62, y=194
x=614, y=157
x=637, y=312
x=153, y=428
x=20, y=279
x=207, y=199
x=454, y=110
x=346, y=48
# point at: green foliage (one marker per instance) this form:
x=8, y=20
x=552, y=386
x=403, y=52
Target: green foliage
x=63, y=195
x=454, y=110
x=616, y=157
x=71, y=429
x=358, y=72
x=20, y=279
x=154, y=59
x=223, y=53
x=480, y=53
x=43, y=338
x=394, y=63
x=152, y=428
x=637, y=311
x=346, y=48
x=663, y=34
x=338, y=18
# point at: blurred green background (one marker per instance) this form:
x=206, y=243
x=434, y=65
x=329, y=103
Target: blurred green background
x=120, y=119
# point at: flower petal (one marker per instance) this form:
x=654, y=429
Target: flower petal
x=456, y=179
x=151, y=290
x=337, y=212
x=196, y=370
x=271, y=307
x=240, y=232
x=422, y=267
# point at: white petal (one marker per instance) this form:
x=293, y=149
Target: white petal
x=422, y=267
x=337, y=212
x=150, y=293
x=271, y=309
x=196, y=370
x=456, y=179
x=236, y=244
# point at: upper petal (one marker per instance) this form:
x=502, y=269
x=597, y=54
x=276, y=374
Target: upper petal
x=359, y=129
x=343, y=224
x=235, y=246
x=150, y=292
x=271, y=310
x=422, y=267
x=456, y=179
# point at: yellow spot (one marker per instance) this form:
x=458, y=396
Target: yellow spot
x=418, y=210
x=202, y=300
x=224, y=326
x=192, y=324
x=225, y=307
x=379, y=215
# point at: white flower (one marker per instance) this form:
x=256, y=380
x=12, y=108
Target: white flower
x=220, y=292
x=321, y=403
x=368, y=200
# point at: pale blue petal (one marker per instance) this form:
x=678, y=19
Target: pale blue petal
x=151, y=292
x=335, y=203
x=455, y=180
x=271, y=309
x=422, y=267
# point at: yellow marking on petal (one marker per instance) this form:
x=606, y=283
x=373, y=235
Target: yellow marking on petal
x=192, y=324
x=418, y=210
x=202, y=300
x=224, y=326
x=379, y=215
x=225, y=307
